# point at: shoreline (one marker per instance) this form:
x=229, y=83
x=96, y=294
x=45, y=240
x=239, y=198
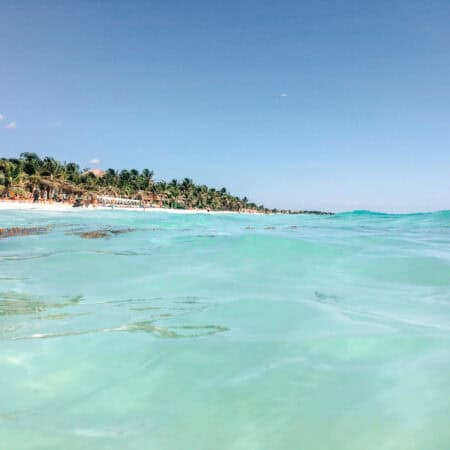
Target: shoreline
x=18, y=205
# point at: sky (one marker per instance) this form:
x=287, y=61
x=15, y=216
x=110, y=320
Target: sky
x=335, y=105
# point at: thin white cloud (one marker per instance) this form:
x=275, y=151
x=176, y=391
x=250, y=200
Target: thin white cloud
x=2, y=117
x=94, y=161
x=283, y=94
x=11, y=125
x=58, y=123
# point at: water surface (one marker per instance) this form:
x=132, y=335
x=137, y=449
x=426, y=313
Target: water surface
x=225, y=331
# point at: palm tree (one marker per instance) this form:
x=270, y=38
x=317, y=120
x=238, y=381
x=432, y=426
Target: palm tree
x=72, y=172
x=52, y=171
x=31, y=163
x=51, y=168
x=12, y=174
x=110, y=179
x=147, y=179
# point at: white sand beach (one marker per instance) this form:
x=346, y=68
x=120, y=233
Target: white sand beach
x=53, y=206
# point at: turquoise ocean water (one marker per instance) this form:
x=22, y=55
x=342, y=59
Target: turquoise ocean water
x=225, y=332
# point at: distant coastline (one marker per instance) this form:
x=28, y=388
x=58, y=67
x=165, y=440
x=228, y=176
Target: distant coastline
x=31, y=182
x=24, y=205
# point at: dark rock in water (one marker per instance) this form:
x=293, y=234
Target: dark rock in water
x=98, y=234
x=20, y=231
x=317, y=213
x=16, y=303
x=93, y=234
x=122, y=230
x=322, y=297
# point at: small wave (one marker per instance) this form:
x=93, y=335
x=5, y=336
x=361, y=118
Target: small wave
x=173, y=332
x=13, y=278
x=262, y=371
x=96, y=433
x=183, y=331
x=51, y=335
x=30, y=257
x=369, y=213
x=387, y=320
x=123, y=252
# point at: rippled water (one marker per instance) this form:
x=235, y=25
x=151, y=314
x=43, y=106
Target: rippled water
x=225, y=331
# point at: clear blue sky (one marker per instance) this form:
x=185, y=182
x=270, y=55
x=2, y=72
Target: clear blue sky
x=306, y=104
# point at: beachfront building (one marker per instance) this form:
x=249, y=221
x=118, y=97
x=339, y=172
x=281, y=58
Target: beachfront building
x=119, y=202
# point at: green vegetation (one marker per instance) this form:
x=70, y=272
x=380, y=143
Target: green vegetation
x=19, y=177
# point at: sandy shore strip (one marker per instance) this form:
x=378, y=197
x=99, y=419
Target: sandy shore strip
x=6, y=205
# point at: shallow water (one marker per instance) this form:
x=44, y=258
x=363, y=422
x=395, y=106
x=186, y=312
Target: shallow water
x=225, y=331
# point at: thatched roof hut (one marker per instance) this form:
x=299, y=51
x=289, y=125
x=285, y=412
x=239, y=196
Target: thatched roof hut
x=97, y=172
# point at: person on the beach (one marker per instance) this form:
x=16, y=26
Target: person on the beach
x=36, y=195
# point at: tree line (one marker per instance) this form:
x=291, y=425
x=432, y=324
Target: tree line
x=21, y=176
